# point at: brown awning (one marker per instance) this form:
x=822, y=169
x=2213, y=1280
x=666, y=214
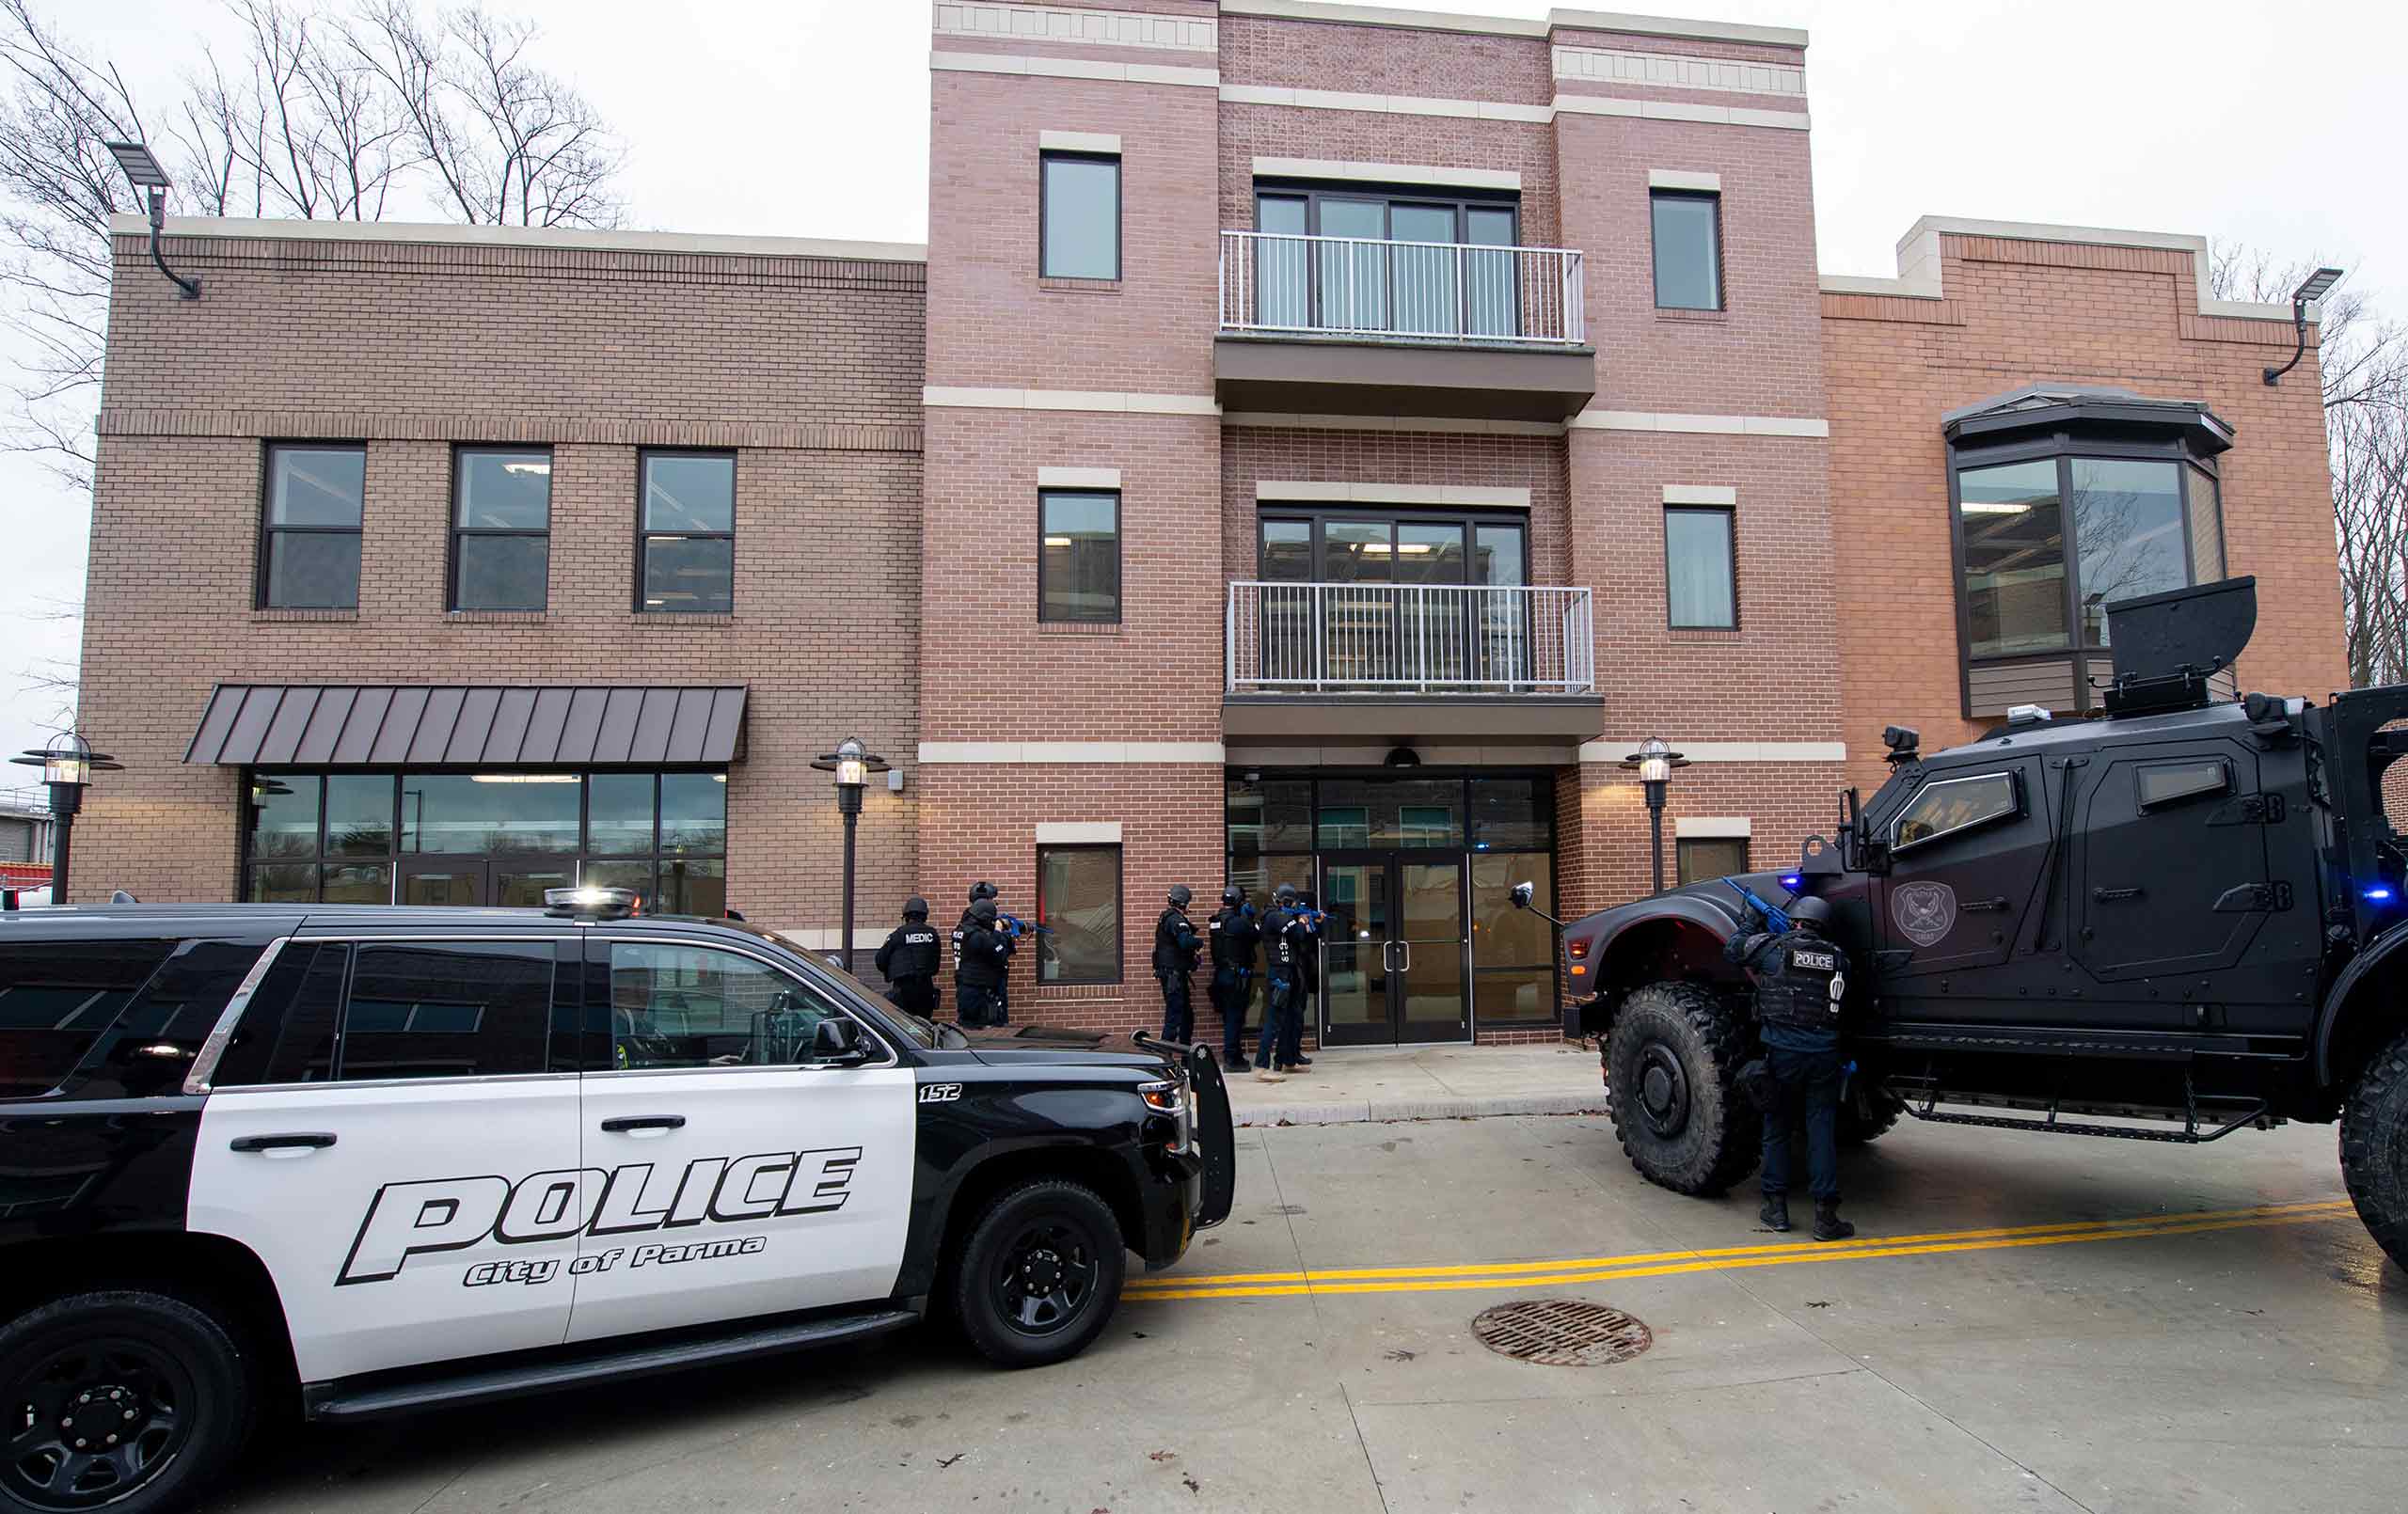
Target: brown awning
x=467, y=725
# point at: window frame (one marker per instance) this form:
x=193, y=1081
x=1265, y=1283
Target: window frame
x=263, y=549
x=460, y=453
x=1747, y=854
x=734, y=495
x=1119, y=910
x=2143, y=804
x=1120, y=557
x=2017, y=811
x=1317, y=516
x=1119, y=211
x=1730, y=515
x=598, y=1006
x=1721, y=284
x=1460, y=200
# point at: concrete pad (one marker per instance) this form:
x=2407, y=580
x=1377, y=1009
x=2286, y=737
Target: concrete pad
x=1349, y=1084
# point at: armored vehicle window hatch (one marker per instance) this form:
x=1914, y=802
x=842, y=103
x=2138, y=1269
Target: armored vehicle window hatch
x=1953, y=805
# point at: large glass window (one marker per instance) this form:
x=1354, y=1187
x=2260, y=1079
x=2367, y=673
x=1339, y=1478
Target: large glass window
x=502, y=522
x=1078, y=563
x=2015, y=558
x=450, y=1009
x=1702, y=858
x=309, y=547
x=1688, y=251
x=1513, y=949
x=1079, y=235
x=1409, y=263
x=686, y=560
x=1078, y=899
x=1700, y=583
x=2127, y=533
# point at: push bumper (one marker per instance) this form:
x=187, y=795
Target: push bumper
x=1198, y=1179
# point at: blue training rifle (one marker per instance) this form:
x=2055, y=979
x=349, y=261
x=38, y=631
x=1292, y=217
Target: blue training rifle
x=1021, y=927
x=1774, y=915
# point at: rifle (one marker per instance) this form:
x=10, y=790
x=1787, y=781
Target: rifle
x=1018, y=927
x=1774, y=915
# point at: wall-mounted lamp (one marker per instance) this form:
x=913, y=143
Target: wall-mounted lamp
x=2313, y=288
x=148, y=177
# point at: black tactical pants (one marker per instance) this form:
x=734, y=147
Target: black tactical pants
x=918, y=995
x=1229, y=997
x=981, y=1005
x=1810, y=1090
x=1178, y=1008
x=1283, y=1024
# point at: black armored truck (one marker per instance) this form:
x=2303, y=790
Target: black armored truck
x=2171, y=921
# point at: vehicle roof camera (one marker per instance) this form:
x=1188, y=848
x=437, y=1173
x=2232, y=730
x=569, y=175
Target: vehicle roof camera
x=1904, y=741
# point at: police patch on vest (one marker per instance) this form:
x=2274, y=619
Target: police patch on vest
x=1813, y=961
x=1924, y=912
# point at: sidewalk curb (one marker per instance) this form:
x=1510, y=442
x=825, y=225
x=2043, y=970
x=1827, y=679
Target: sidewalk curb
x=1381, y=1110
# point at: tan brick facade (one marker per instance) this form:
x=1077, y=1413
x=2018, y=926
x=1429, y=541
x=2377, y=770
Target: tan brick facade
x=892, y=414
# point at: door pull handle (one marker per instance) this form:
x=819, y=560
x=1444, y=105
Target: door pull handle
x=1978, y=906
x=624, y=1123
x=291, y=1140
x=2110, y=896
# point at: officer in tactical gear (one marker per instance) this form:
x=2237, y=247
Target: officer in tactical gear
x=1800, y=977
x=986, y=961
x=1176, y=947
x=908, y=961
x=1233, y=933
x=1288, y=934
x=981, y=890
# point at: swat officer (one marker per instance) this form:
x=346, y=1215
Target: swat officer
x=1800, y=977
x=1288, y=934
x=981, y=890
x=1176, y=945
x=1233, y=933
x=908, y=961
x=985, y=962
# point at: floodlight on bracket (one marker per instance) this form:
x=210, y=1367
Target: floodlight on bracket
x=144, y=172
x=2312, y=288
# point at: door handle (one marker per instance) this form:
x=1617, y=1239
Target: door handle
x=1977, y=906
x=1408, y=955
x=626, y=1123
x=310, y=1139
x=2110, y=896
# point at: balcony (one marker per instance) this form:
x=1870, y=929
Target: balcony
x=1404, y=662
x=1351, y=325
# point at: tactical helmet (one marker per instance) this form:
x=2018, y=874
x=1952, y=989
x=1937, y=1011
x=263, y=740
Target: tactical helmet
x=1810, y=911
x=983, y=911
x=1284, y=893
x=1179, y=896
x=916, y=907
x=1232, y=895
x=983, y=889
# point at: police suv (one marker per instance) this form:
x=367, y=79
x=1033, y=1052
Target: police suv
x=386, y=1159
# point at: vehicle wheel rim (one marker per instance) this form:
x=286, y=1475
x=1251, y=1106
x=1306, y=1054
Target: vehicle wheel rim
x=1663, y=1090
x=92, y=1422
x=1046, y=1277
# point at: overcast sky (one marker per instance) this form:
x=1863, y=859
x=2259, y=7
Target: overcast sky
x=2276, y=124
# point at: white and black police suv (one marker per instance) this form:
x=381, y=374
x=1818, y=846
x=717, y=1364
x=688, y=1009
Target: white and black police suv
x=384, y=1159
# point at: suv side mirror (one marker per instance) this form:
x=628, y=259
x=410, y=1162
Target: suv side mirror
x=837, y=1042
x=1523, y=894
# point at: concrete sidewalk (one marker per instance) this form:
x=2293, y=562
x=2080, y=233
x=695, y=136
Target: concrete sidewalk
x=1348, y=1085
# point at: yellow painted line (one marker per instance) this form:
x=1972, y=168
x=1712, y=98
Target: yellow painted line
x=1665, y=1264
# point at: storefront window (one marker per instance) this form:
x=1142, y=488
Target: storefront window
x=488, y=813
x=1513, y=949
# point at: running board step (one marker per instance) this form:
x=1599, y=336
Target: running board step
x=2187, y=1136
x=334, y=1400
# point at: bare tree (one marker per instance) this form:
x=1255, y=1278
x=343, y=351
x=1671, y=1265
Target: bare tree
x=2364, y=360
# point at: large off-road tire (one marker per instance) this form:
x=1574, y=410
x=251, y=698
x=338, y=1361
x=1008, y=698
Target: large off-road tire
x=1866, y=1118
x=2374, y=1148
x=120, y=1399
x=1670, y=1061
x=1040, y=1273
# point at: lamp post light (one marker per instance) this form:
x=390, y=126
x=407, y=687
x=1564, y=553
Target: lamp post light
x=142, y=170
x=2312, y=288
x=67, y=764
x=1653, y=762
x=853, y=763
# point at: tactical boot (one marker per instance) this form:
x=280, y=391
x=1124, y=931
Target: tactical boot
x=1775, y=1214
x=1827, y=1223
x=1239, y=1065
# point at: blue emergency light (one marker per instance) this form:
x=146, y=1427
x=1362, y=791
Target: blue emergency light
x=2379, y=895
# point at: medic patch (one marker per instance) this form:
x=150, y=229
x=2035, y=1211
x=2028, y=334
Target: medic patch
x=1924, y=912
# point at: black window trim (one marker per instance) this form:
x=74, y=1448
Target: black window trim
x=1730, y=515
x=735, y=498
x=1318, y=513
x=1119, y=556
x=267, y=533
x=1721, y=283
x=597, y=956
x=2015, y=812
x=2146, y=805
x=461, y=450
x=1462, y=200
x=1120, y=912
x=1119, y=211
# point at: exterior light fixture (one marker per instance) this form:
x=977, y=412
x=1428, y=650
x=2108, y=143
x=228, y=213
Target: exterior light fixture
x=143, y=171
x=853, y=763
x=2312, y=288
x=1654, y=762
x=67, y=764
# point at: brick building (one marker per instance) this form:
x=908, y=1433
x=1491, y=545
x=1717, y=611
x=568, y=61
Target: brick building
x=1316, y=444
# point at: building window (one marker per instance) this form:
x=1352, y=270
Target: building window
x=1700, y=585
x=1078, y=563
x=1079, y=215
x=1703, y=858
x=484, y=838
x=1406, y=263
x=1078, y=899
x=310, y=551
x=501, y=525
x=1689, y=249
x=686, y=548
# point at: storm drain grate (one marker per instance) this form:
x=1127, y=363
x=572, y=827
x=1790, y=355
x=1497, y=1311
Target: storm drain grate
x=1561, y=1332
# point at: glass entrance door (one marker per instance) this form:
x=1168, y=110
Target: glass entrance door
x=1392, y=950
x=511, y=881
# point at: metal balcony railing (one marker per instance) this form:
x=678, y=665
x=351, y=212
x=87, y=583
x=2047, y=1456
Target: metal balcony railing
x=1412, y=638
x=1275, y=284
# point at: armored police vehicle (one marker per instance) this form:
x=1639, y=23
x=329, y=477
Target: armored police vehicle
x=2184, y=917
x=374, y=1159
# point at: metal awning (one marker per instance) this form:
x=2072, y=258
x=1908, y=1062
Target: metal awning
x=467, y=725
